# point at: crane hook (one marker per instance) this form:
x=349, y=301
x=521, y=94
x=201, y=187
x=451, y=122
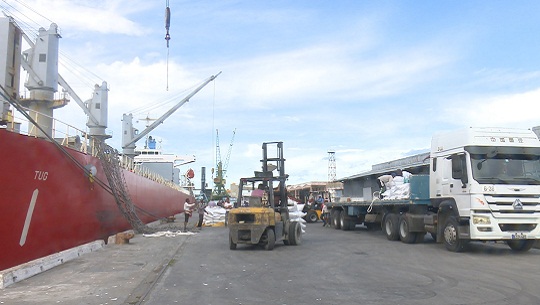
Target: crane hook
x=167, y=36
x=167, y=23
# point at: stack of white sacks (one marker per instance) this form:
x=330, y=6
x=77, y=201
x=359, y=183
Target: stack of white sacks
x=215, y=215
x=397, y=187
x=296, y=214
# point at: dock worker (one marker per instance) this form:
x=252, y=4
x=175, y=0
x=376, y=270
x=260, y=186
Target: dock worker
x=201, y=210
x=188, y=209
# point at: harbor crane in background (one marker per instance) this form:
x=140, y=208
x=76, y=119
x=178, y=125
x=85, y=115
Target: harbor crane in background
x=220, y=190
x=131, y=135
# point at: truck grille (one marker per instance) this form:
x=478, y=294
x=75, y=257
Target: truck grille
x=506, y=204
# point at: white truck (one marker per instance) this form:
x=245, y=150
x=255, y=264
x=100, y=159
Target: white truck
x=476, y=184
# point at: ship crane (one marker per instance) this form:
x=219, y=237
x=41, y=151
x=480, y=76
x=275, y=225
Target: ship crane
x=43, y=78
x=221, y=170
x=131, y=135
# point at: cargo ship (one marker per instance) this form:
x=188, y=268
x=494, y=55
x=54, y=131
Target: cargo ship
x=56, y=190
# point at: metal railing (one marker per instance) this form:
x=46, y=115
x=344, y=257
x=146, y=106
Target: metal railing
x=63, y=133
x=129, y=164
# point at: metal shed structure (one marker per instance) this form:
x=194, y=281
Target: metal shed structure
x=362, y=186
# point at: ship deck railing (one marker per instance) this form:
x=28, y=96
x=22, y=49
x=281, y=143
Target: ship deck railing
x=63, y=133
x=130, y=164
x=77, y=139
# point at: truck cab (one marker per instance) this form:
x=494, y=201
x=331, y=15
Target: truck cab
x=485, y=185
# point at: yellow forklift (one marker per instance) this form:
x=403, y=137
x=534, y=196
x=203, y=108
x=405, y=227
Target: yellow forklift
x=262, y=217
x=313, y=207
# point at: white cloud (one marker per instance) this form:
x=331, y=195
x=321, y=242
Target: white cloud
x=309, y=75
x=505, y=110
x=101, y=16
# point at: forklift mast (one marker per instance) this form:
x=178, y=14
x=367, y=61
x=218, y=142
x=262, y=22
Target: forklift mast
x=266, y=177
x=280, y=166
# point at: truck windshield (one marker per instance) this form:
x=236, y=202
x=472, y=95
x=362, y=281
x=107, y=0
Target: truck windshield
x=505, y=165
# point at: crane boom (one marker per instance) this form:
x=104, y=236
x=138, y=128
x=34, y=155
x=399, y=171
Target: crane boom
x=167, y=114
x=229, y=153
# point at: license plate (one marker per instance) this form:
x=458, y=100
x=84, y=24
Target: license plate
x=519, y=236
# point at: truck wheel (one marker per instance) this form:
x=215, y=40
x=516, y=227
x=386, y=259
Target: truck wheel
x=336, y=216
x=451, y=237
x=404, y=234
x=523, y=245
x=232, y=245
x=391, y=226
x=343, y=221
x=270, y=239
x=311, y=217
x=295, y=233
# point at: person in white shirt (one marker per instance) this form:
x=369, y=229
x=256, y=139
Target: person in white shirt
x=324, y=215
x=188, y=209
x=227, y=205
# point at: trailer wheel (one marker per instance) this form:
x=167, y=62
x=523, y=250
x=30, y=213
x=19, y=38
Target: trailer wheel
x=336, y=215
x=232, y=245
x=452, y=242
x=404, y=234
x=391, y=227
x=343, y=221
x=295, y=233
x=523, y=245
x=270, y=239
x=312, y=217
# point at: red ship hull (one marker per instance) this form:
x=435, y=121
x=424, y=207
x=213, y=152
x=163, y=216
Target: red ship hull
x=48, y=204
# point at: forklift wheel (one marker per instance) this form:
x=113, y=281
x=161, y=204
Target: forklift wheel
x=232, y=245
x=270, y=239
x=295, y=233
x=312, y=217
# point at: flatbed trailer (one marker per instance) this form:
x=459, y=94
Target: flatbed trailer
x=386, y=213
x=482, y=184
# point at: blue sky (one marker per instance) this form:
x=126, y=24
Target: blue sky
x=370, y=80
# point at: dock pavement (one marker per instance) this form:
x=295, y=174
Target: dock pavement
x=113, y=274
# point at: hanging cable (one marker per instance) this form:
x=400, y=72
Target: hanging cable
x=164, y=101
x=167, y=36
x=33, y=10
